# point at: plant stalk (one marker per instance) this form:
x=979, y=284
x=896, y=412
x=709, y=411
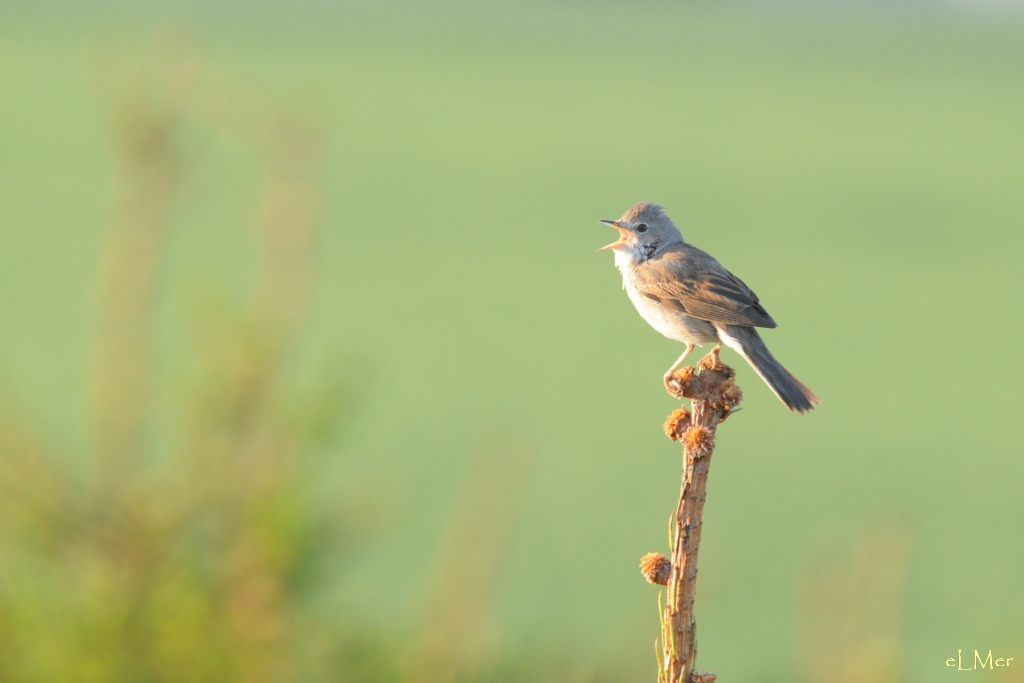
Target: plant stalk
x=714, y=396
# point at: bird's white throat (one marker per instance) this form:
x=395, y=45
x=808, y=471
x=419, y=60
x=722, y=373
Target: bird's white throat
x=629, y=257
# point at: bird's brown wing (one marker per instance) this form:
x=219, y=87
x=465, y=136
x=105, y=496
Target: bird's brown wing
x=690, y=281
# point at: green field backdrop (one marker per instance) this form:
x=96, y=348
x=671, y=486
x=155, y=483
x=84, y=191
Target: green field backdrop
x=863, y=172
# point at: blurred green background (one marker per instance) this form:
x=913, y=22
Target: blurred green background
x=311, y=371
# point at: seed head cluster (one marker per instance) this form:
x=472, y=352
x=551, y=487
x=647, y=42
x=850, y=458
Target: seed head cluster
x=714, y=382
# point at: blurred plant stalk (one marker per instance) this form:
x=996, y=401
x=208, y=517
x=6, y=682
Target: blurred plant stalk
x=147, y=175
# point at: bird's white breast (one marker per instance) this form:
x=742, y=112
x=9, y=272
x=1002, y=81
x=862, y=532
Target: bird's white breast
x=672, y=324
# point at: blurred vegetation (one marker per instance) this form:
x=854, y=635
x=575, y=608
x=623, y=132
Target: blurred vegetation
x=393, y=206
x=187, y=565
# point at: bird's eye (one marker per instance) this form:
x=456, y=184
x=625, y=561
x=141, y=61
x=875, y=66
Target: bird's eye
x=642, y=227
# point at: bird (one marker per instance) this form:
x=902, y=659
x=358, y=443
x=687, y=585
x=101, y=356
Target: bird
x=688, y=296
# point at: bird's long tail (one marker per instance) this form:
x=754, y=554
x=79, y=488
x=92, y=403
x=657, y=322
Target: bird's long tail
x=747, y=342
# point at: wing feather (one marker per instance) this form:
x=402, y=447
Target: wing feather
x=690, y=281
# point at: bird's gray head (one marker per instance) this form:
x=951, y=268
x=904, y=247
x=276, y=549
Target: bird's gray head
x=643, y=230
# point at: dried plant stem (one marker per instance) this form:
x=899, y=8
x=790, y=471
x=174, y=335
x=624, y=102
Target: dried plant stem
x=715, y=396
x=682, y=587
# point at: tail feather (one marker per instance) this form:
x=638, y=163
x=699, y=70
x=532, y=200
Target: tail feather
x=748, y=343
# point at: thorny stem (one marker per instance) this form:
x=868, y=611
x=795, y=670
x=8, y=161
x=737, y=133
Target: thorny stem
x=714, y=395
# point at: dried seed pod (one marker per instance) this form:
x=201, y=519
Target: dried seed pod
x=698, y=440
x=677, y=423
x=729, y=393
x=656, y=568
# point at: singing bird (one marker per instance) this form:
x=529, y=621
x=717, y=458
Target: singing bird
x=688, y=296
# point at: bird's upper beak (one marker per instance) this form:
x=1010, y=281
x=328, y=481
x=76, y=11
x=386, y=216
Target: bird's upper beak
x=624, y=234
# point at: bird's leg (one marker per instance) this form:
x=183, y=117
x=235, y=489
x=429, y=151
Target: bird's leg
x=687, y=352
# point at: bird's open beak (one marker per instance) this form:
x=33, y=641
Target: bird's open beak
x=623, y=235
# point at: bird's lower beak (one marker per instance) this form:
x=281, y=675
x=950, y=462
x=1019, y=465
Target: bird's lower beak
x=623, y=236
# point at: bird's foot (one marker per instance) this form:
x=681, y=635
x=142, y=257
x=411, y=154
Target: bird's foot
x=713, y=362
x=677, y=381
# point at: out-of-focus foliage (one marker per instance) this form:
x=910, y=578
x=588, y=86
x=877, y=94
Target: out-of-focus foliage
x=185, y=561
